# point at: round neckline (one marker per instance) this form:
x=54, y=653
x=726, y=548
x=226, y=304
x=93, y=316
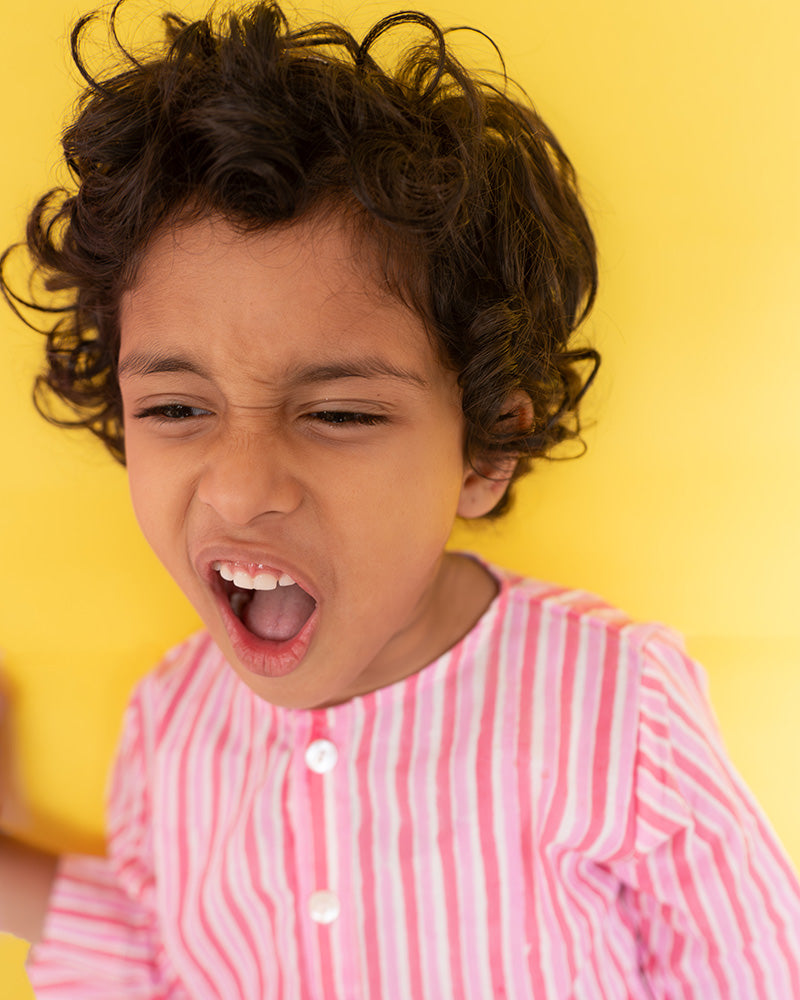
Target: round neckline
x=431, y=671
x=434, y=671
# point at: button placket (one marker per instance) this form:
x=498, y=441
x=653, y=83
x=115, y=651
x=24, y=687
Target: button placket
x=324, y=906
x=321, y=756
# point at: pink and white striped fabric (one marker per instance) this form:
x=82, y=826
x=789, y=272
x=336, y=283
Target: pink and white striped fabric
x=544, y=812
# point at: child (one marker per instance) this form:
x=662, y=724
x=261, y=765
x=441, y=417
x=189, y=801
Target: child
x=320, y=311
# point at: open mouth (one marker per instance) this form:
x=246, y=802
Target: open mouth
x=272, y=607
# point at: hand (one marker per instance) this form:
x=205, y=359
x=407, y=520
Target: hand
x=13, y=812
x=26, y=874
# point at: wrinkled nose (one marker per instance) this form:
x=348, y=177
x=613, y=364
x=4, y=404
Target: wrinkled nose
x=248, y=477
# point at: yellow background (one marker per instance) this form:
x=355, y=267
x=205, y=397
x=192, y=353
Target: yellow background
x=682, y=119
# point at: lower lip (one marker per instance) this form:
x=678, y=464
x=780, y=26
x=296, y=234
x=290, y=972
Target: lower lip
x=264, y=657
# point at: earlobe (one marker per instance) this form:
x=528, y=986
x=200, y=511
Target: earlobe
x=481, y=491
x=486, y=480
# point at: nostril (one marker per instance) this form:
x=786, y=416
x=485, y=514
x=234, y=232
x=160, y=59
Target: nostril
x=240, y=491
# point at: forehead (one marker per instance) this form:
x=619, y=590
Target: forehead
x=310, y=286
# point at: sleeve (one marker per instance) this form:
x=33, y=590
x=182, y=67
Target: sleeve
x=100, y=939
x=710, y=891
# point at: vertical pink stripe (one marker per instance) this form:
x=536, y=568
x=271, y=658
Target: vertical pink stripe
x=341, y=810
x=252, y=867
x=559, y=934
x=469, y=797
x=405, y=838
x=224, y=941
x=293, y=955
x=511, y=633
x=370, y=946
x=600, y=754
x=390, y=906
x=211, y=792
x=188, y=780
x=428, y=889
x=225, y=897
x=447, y=809
x=529, y=739
x=306, y=850
x=313, y=788
x=490, y=874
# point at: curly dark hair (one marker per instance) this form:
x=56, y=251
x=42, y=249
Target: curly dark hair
x=465, y=189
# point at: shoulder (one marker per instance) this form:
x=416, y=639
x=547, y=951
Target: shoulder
x=195, y=663
x=603, y=697
x=552, y=625
x=192, y=679
x=582, y=659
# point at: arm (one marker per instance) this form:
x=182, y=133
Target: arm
x=712, y=894
x=26, y=878
x=101, y=937
x=26, y=874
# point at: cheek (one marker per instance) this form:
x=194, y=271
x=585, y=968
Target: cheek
x=420, y=484
x=153, y=494
x=416, y=499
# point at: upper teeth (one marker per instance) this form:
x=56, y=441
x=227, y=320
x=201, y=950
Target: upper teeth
x=261, y=581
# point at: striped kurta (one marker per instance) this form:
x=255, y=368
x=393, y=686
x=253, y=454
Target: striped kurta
x=546, y=811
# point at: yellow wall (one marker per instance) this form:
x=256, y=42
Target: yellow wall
x=682, y=120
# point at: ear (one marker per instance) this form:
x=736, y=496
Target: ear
x=487, y=479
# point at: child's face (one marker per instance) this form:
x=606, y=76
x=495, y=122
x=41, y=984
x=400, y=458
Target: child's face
x=285, y=416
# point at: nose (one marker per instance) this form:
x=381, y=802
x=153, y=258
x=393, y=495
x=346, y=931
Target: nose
x=247, y=477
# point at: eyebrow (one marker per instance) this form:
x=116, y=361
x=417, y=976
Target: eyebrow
x=156, y=363
x=370, y=367
x=141, y=363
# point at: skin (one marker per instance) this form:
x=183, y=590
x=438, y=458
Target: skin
x=243, y=365
x=282, y=409
x=26, y=874
x=26, y=877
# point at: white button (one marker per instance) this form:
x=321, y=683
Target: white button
x=324, y=906
x=321, y=756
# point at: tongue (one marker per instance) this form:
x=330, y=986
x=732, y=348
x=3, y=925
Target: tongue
x=278, y=614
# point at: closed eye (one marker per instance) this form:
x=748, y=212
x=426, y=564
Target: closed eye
x=348, y=417
x=170, y=412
